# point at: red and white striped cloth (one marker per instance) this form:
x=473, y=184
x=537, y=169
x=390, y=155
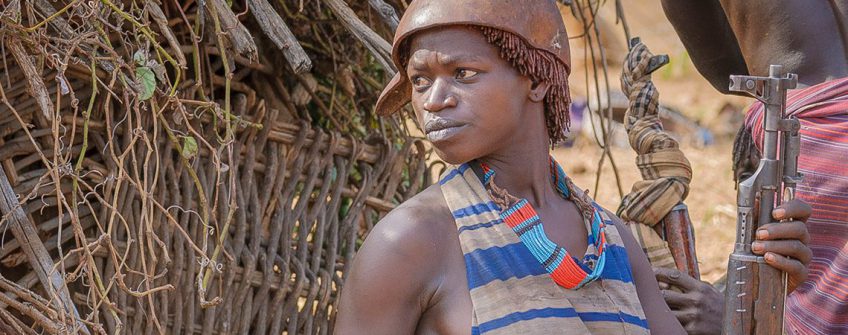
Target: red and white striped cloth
x=820, y=304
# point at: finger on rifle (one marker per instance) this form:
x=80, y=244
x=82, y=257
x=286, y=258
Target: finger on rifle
x=785, y=264
x=784, y=248
x=676, y=278
x=794, y=209
x=676, y=300
x=793, y=230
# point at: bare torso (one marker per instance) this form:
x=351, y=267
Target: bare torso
x=409, y=276
x=724, y=37
x=806, y=37
x=448, y=308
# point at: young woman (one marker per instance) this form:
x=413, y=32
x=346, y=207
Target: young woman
x=504, y=243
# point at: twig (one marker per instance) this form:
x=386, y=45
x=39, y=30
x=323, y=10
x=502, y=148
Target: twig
x=235, y=32
x=387, y=12
x=51, y=17
x=152, y=39
x=380, y=48
x=26, y=232
x=40, y=318
x=34, y=82
x=281, y=35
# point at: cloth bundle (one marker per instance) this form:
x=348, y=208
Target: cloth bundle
x=665, y=170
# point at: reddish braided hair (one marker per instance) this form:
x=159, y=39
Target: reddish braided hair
x=541, y=67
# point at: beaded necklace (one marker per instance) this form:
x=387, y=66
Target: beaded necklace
x=566, y=270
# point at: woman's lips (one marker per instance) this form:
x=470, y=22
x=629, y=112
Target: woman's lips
x=444, y=133
x=440, y=129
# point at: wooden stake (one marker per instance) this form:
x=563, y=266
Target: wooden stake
x=26, y=232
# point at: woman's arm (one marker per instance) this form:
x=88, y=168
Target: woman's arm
x=384, y=289
x=705, y=32
x=660, y=318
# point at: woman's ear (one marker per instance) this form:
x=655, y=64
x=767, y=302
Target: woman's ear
x=538, y=91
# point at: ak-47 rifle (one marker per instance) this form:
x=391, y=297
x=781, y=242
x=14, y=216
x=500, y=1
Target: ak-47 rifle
x=756, y=291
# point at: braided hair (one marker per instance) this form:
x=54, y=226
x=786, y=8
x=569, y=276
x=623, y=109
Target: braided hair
x=745, y=153
x=541, y=67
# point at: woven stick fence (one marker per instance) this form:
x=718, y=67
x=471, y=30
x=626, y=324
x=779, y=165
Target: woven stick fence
x=191, y=167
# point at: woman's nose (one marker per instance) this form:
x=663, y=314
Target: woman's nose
x=440, y=97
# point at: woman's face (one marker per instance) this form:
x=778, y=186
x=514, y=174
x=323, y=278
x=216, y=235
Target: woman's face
x=469, y=100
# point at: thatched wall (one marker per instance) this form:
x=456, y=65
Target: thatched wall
x=191, y=166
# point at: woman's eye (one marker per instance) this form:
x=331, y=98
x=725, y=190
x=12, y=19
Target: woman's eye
x=420, y=81
x=465, y=74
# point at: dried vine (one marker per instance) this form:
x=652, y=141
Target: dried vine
x=183, y=167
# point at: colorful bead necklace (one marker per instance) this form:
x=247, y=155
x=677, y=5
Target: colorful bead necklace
x=565, y=270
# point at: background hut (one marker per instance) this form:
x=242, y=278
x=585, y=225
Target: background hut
x=187, y=167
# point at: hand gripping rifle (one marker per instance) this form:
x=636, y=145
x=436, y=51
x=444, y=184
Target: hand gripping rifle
x=756, y=291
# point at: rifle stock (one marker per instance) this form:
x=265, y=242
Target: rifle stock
x=756, y=292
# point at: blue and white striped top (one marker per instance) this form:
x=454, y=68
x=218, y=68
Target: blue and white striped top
x=513, y=293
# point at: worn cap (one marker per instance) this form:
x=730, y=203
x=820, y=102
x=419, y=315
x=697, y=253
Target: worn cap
x=538, y=22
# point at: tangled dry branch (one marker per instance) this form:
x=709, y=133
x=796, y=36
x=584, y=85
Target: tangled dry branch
x=182, y=166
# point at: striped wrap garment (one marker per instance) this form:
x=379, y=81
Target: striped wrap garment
x=513, y=293
x=820, y=304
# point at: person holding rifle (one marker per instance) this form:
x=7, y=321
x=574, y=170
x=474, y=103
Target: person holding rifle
x=809, y=39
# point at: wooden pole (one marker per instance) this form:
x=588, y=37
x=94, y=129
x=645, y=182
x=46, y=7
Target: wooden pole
x=279, y=33
x=25, y=231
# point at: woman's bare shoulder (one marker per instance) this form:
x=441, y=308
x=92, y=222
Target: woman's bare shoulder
x=397, y=270
x=424, y=218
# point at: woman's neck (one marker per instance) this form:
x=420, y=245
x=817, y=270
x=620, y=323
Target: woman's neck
x=524, y=171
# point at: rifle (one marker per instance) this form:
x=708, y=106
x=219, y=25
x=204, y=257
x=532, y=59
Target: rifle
x=756, y=291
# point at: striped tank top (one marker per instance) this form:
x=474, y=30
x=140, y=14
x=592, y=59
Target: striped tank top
x=512, y=291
